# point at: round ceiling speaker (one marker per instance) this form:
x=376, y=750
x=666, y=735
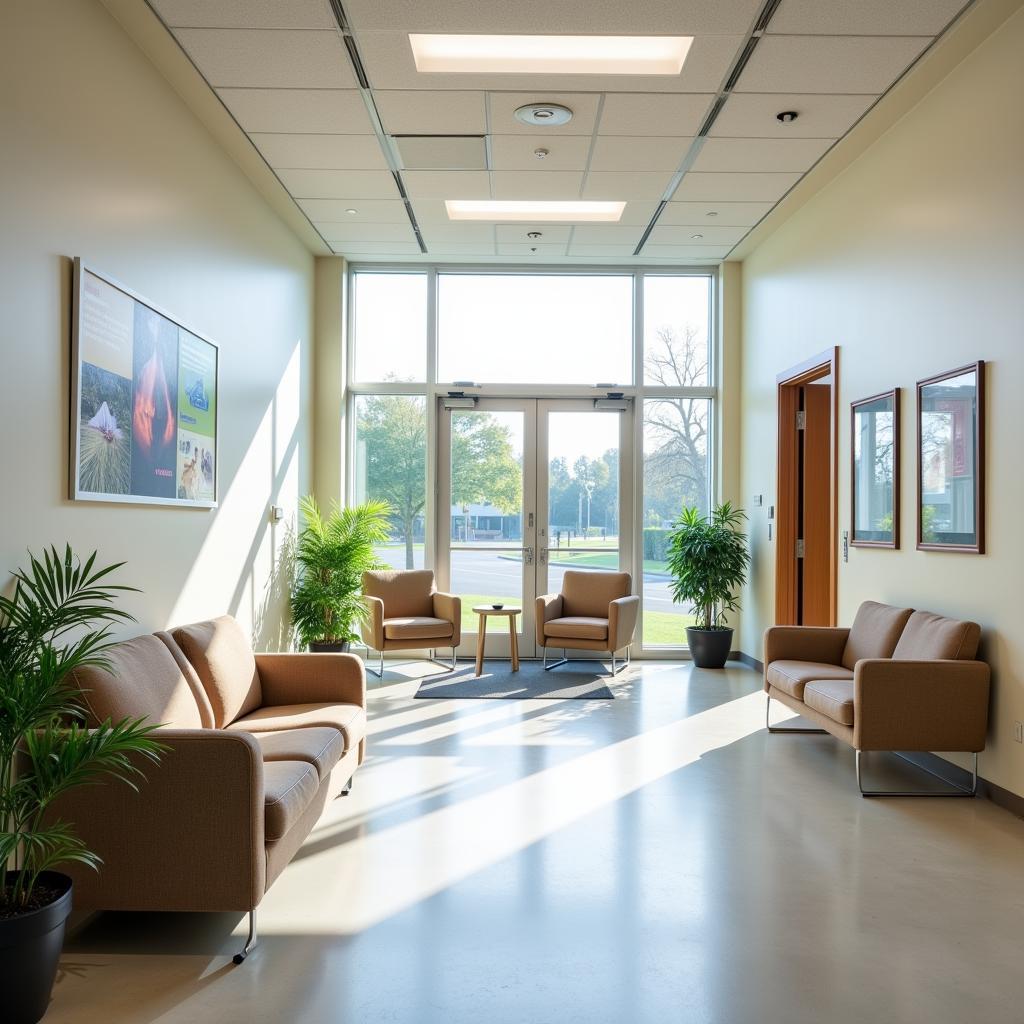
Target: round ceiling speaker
x=544, y=114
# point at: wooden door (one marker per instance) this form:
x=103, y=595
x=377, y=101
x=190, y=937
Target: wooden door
x=815, y=567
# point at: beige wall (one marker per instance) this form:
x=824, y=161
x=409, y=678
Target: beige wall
x=99, y=158
x=912, y=261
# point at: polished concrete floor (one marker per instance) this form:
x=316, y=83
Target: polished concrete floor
x=656, y=858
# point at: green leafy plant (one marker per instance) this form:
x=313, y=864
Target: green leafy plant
x=332, y=554
x=708, y=561
x=57, y=621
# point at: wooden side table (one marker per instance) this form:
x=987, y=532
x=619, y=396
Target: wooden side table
x=485, y=611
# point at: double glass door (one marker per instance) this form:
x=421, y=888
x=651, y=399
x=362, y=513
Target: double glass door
x=528, y=488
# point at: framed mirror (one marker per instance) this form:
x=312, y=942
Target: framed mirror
x=951, y=460
x=875, y=470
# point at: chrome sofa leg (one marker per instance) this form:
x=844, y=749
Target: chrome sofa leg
x=554, y=664
x=787, y=728
x=953, y=788
x=250, y=942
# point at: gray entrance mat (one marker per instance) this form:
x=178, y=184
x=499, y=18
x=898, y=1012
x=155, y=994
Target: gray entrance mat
x=583, y=680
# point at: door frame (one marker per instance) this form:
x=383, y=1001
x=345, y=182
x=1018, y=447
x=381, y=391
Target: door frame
x=788, y=384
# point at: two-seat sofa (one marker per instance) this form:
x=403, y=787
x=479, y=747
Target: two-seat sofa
x=896, y=680
x=258, y=744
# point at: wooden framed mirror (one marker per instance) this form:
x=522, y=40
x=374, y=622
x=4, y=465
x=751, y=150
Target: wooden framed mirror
x=875, y=471
x=951, y=460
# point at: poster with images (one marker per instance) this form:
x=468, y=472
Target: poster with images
x=146, y=401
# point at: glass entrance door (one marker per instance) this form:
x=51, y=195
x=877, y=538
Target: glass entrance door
x=528, y=488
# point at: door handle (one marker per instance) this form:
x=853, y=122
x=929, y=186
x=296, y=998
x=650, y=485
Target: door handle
x=528, y=556
x=543, y=556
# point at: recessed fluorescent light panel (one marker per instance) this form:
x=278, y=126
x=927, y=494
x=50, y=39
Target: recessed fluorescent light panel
x=516, y=210
x=551, y=55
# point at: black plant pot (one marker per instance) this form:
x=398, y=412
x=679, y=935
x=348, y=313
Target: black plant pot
x=30, y=946
x=709, y=648
x=340, y=647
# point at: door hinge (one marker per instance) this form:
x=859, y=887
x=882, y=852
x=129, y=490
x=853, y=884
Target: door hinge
x=799, y=549
x=801, y=420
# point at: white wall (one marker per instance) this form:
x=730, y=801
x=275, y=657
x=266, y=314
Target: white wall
x=99, y=158
x=912, y=261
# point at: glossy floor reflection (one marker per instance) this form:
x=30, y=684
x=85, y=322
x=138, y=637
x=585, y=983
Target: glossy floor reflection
x=653, y=858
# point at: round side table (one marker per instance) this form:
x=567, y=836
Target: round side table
x=485, y=611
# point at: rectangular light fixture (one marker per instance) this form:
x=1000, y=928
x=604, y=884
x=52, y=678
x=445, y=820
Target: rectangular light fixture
x=505, y=210
x=550, y=55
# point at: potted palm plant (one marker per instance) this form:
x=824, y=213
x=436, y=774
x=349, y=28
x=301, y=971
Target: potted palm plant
x=708, y=560
x=332, y=554
x=57, y=620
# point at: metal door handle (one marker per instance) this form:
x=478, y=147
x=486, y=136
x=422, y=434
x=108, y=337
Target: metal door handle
x=543, y=556
x=528, y=556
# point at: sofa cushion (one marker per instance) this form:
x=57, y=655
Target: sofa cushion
x=404, y=593
x=930, y=637
x=588, y=594
x=322, y=748
x=417, y=627
x=222, y=657
x=348, y=719
x=578, y=627
x=832, y=697
x=792, y=676
x=141, y=679
x=288, y=789
x=875, y=632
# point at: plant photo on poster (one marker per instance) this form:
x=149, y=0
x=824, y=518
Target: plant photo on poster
x=144, y=400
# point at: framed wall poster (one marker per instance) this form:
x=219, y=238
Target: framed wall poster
x=144, y=400
x=875, y=470
x=951, y=460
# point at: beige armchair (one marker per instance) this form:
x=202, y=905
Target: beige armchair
x=594, y=612
x=406, y=612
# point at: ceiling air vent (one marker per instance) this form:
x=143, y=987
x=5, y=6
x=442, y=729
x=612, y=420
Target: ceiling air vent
x=442, y=152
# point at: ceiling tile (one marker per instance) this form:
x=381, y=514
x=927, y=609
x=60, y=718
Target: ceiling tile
x=668, y=234
x=622, y=153
x=614, y=185
x=452, y=232
x=638, y=213
x=726, y=214
x=606, y=17
x=335, y=152
x=447, y=184
x=442, y=152
x=863, y=18
x=245, y=13
x=504, y=104
x=353, y=250
x=748, y=187
x=831, y=64
x=337, y=232
x=538, y=249
x=461, y=248
x=760, y=154
x=517, y=152
x=616, y=234
x=589, y=249
x=518, y=232
x=369, y=211
x=685, y=252
x=752, y=115
x=262, y=58
x=653, y=113
x=305, y=183
x=423, y=112
x=337, y=111
x=536, y=184
x=389, y=64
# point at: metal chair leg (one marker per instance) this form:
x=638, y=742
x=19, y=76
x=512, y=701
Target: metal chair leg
x=554, y=664
x=443, y=664
x=378, y=672
x=348, y=786
x=250, y=942
x=787, y=728
x=954, y=789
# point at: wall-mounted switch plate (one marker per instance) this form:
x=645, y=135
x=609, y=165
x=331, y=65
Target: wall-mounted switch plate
x=1018, y=731
x=276, y=513
x=846, y=545
x=758, y=500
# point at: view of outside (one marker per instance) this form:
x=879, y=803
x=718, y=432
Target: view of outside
x=391, y=327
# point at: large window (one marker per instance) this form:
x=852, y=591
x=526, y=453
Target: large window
x=390, y=326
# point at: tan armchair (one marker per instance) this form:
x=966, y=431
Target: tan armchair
x=406, y=612
x=594, y=612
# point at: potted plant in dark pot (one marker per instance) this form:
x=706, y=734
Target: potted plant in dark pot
x=332, y=553
x=56, y=620
x=708, y=560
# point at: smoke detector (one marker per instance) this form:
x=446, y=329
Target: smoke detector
x=543, y=115
x=787, y=116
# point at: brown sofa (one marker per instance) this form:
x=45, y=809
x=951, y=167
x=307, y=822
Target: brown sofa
x=258, y=744
x=896, y=680
x=595, y=611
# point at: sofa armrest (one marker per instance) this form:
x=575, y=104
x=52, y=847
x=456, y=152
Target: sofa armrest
x=920, y=705
x=191, y=838
x=548, y=606
x=622, y=616
x=449, y=608
x=372, y=627
x=311, y=679
x=805, y=643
